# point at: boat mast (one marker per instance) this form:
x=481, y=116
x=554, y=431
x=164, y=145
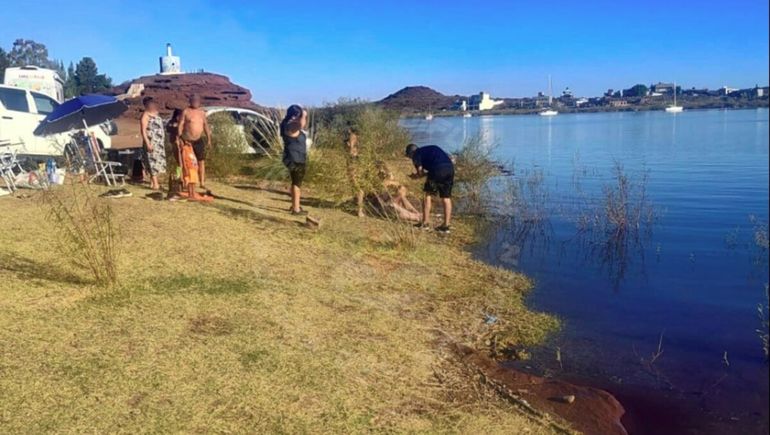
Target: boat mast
x=550, y=92
x=674, y=93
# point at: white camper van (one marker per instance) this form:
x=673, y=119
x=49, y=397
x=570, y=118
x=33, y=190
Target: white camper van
x=42, y=80
x=21, y=111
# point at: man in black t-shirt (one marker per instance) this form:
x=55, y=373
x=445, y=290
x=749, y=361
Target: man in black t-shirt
x=433, y=162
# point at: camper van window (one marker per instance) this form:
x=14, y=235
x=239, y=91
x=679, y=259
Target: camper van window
x=44, y=104
x=14, y=99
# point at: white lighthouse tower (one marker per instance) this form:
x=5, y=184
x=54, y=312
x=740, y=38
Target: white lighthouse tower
x=170, y=64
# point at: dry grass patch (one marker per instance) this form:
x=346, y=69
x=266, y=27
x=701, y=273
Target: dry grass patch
x=234, y=318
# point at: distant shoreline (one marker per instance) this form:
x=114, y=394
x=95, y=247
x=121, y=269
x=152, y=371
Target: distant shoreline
x=752, y=104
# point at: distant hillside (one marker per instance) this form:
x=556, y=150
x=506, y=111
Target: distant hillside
x=417, y=99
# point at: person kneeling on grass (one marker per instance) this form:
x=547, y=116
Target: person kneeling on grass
x=435, y=163
x=395, y=196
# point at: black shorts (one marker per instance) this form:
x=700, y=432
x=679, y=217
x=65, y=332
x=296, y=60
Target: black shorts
x=297, y=173
x=199, y=148
x=440, y=181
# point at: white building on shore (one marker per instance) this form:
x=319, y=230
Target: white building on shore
x=483, y=101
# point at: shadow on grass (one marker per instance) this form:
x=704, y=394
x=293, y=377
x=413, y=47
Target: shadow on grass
x=199, y=284
x=155, y=196
x=263, y=189
x=309, y=201
x=314, y=202
x=254, y=216
x=237, y=201
x=28, y=268
x=178, y=284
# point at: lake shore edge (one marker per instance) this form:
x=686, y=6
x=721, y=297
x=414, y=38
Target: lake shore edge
x=217, y=329
x=760, y=104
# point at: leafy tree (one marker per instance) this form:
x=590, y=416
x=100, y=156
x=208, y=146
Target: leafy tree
x=28, y=52
x=61, y=70
x=636, y=91
x=70, y=85
x=87, y=78
x=5, y=62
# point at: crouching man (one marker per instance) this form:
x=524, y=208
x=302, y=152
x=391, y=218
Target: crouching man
x=434, y=163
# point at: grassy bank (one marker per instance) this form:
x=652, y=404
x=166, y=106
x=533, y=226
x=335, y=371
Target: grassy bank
x=235, y=317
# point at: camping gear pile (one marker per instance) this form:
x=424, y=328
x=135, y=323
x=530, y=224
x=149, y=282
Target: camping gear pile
x=83, y=152
x=13, y=173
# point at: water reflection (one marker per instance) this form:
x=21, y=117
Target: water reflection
x=608, y=229
x=697, y=272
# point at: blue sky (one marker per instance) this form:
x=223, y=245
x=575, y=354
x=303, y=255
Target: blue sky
x=315, y=52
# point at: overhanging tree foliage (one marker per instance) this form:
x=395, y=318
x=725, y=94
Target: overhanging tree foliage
x=5, y=62
x=28, y=52
x=87, y=78
x=70, y=86
x=81, y=79
x=636, y=91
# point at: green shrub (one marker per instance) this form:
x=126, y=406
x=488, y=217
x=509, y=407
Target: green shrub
x=474, y=168
x=380, y=138
x=228, y=147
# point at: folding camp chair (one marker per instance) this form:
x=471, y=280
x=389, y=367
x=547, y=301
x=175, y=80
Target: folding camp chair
x=104, y=169
x=9, y=165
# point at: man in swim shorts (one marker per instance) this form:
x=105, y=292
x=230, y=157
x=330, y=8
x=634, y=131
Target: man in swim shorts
x=192, y=127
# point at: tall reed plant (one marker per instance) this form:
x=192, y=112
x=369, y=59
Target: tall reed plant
x=87, y=231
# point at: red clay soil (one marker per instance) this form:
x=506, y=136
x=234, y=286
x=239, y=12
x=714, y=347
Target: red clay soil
x=594, y=411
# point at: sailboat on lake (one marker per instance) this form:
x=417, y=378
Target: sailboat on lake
x=674, y=108
x=549, y=111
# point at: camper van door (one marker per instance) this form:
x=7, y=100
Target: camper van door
x=18, y=118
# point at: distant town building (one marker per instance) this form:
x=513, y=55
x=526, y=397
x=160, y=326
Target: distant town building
x=662, y=89
x=567, y=93
x=617, y=102
x=483, y=101
x=726, y=90
x=461, y=105
x=696, y=92
x=170, y=64
x=749, y=93
x=581, y=102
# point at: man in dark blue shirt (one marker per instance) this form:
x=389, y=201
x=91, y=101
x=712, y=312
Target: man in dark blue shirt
x=433, y=162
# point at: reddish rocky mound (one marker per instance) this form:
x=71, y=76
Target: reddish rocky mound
x=173, y=91
x=418, y=99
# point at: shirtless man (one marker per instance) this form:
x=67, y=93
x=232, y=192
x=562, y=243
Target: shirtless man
x=192, y=126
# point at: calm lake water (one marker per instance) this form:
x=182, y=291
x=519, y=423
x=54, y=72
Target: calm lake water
x=685, y=287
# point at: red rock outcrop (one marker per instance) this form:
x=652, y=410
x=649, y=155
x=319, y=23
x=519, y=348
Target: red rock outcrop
x=172, y=91
x=591, y=411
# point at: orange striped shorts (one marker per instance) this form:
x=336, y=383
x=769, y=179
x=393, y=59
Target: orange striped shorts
x=189, y=163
